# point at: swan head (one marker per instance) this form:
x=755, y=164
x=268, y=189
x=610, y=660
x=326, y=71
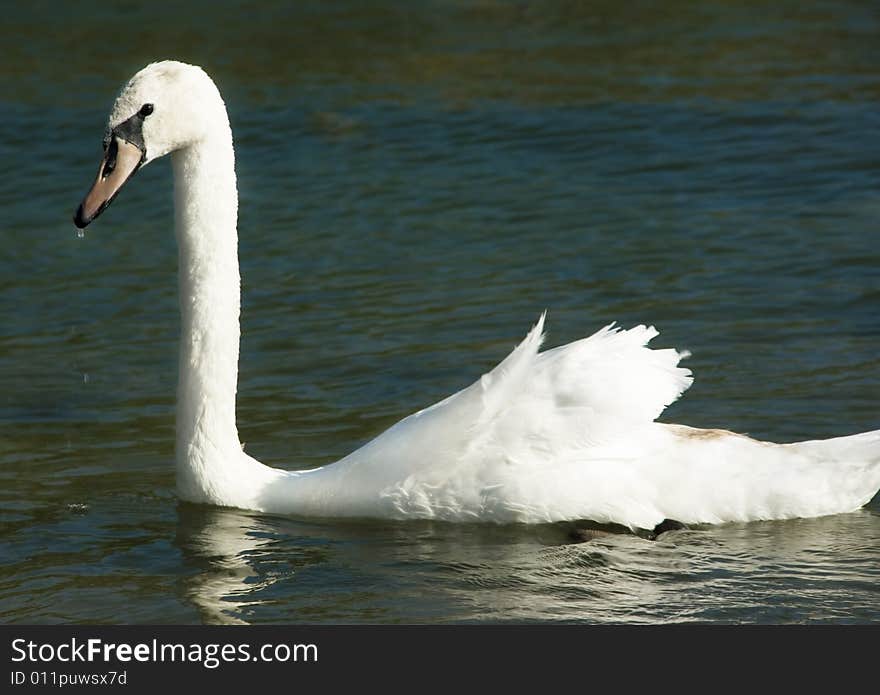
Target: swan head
x=164, y=107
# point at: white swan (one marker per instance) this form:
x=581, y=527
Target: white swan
x=546, y=436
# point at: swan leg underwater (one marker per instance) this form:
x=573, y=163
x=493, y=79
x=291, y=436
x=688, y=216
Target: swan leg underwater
x=560, y=435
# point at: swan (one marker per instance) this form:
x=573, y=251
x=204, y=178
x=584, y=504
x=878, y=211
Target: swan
x=563, y=434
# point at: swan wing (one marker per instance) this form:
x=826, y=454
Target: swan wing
x=570, y=433
x=535, y=413
x=597, y=388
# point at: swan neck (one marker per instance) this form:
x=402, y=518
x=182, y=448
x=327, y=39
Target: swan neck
x=206, y=209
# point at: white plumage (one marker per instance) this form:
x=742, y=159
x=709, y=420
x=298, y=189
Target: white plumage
x=569, y=433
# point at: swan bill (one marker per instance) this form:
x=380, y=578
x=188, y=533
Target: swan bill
x=121, y=160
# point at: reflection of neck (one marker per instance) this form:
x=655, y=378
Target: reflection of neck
x=206, y=208
x=223, y=544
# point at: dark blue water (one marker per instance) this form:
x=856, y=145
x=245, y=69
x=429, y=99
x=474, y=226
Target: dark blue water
x=417, y=185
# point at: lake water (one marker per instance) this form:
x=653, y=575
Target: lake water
x=418, y=182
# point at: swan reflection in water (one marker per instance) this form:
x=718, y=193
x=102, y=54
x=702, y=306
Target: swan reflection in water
x=236, y=558
x=250, y=568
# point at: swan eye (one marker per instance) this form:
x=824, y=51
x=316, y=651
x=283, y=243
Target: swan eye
x=146, y=110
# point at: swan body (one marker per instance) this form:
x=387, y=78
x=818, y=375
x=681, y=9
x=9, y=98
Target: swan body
x=564, y=434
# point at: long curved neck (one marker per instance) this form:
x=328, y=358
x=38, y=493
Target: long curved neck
x=206, y=210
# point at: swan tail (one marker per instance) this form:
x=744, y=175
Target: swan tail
x=721, y=476
x=855, y=459
x=859, y=447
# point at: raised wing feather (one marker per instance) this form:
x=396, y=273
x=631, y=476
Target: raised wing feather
x=542, y=406
x=539, y=405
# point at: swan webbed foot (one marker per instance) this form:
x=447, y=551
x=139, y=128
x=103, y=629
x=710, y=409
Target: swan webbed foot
x=666, y=525
x=586, y=531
